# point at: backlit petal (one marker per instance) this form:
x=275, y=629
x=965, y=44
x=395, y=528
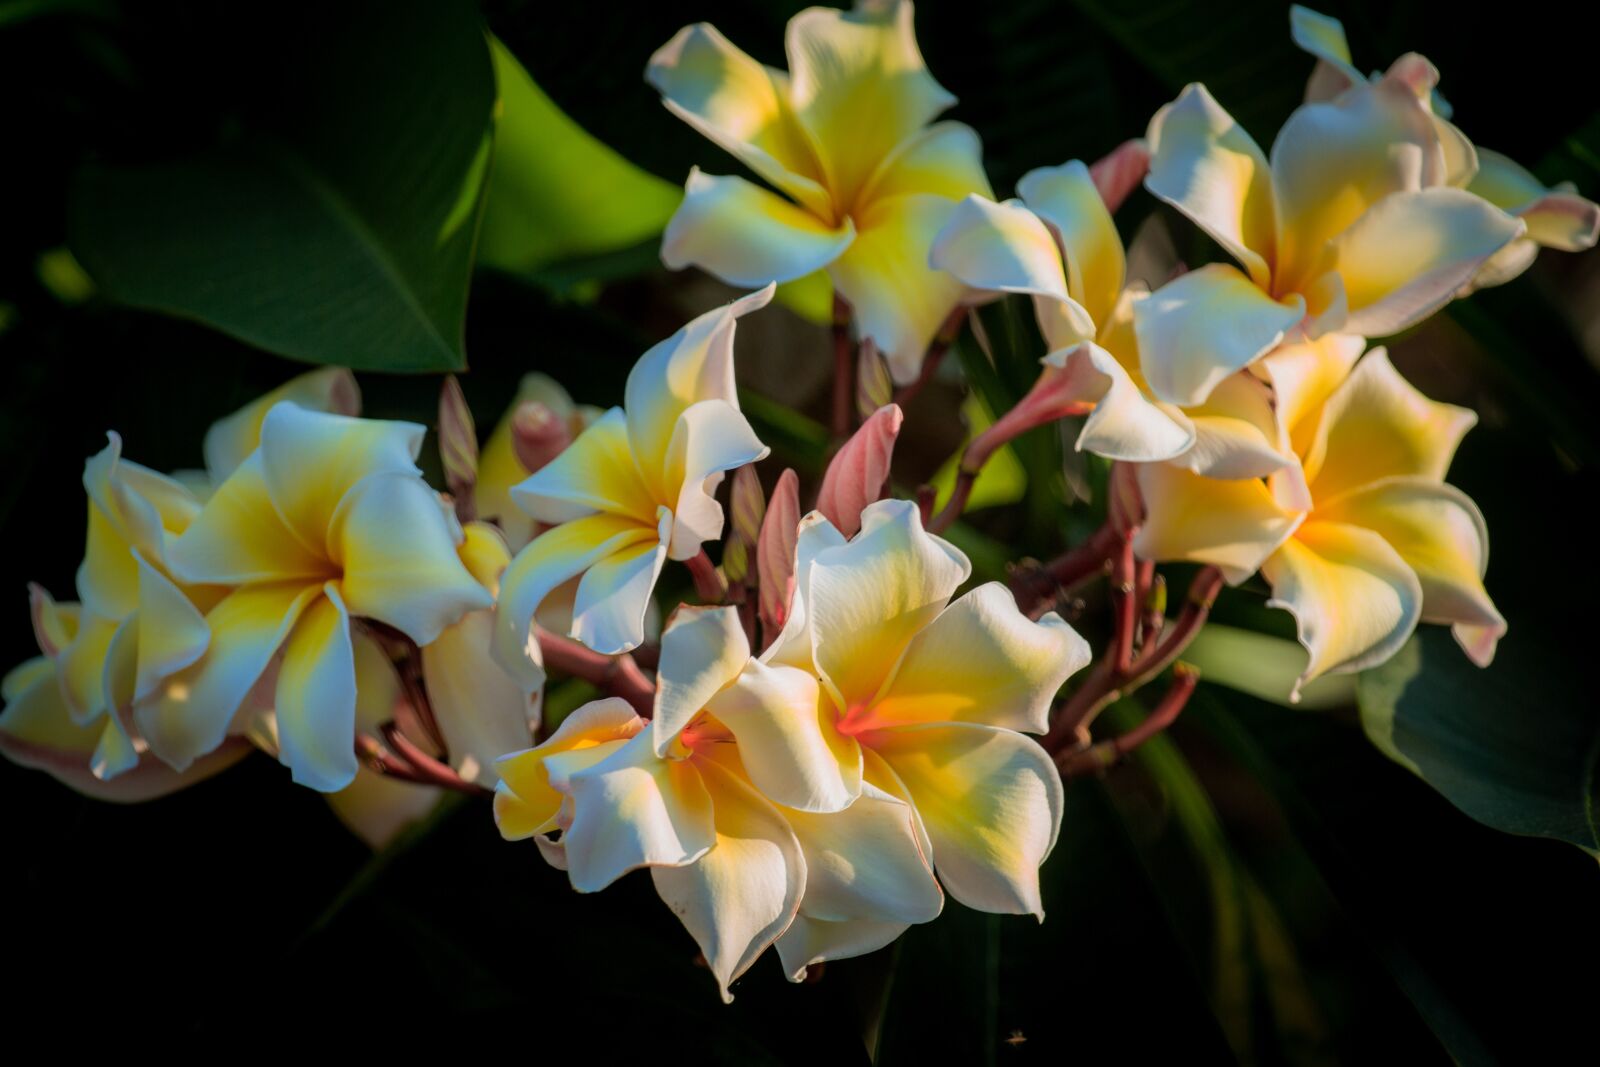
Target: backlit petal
x=1067, y=199
x=1377, y=425
x=594, y=473
x=1231, y=524
x=239, y=537
x=868, y=598
x=191, y=714
x=991, y=800
x=1410, y=253
x=316, y=697
x=633, y=810
x=1204, y=164
x=702, y=651
x=1353, y=598
x=526, y=801
x=233, y=437
x=1442, y=537
x=788, y=738
x=746, y=235
x=898, y=300
x=1205, y=325
x=982, y=661
x=311, y=459
x=740, y=896
x=712, y=437
x=613, y=597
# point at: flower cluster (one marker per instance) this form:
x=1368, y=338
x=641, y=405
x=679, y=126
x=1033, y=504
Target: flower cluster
x=310, y=595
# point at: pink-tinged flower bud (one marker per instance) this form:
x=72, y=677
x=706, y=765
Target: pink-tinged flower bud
x=1119, y=172
x=775, y=555
x=858, y=472
x=458, y=442
x=874, y=388
x=538, y=434
x=748, y=505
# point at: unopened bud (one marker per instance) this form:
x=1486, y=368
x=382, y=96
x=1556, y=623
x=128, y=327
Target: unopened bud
x=1120, y=171
x=538, y=434
x=458, y=441
x=749, y=505
x=874, y=388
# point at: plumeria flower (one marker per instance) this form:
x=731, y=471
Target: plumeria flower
x=1059, y=245
x=1555, y=217
x=844, y=136
x=327, y=520
x=1383, y=544
x=634, y=488
x=1353, y=228
x=38, y=728
x=137, y=624
x=924, y=698
x=680, y=796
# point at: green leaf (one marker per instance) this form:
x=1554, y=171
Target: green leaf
x=555, y=192
x=337, y=224
x=1515, y=746
x=1263, y=666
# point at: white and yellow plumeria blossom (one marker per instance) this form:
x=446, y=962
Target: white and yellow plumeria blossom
x=1354, y=227
x=925, y=698
x=230, y=440
x=1059, y=245
x=327, y=520
x=137, y=625
x=1555, y=217
x=1384, y=542
x=679, y=795
x=634, y=489
x=844, y=135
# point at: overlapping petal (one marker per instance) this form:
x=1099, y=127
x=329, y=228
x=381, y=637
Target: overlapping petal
x=597, y=472
x=746, y=235
x=702, y=652
x=1125, y=424
x=1232, y=525
x=711, y=438
x=315, y=699
x=1067, y=199
x=526, y=800
x=240, y=537
x=231, y=439
x=613, y=596
x=991, y=801
x=981, y=661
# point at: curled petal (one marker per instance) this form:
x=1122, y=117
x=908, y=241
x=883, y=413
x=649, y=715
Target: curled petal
x=788, y=738
x=315, y=699
x=1441, y=536
x=746, y=235
x=613, y=596
x=634, y=809
x=1006, y=248
x=899, y=301
x=310, y=461
x=702, y=652
x=692, y=365
x=1205, y=325
x=982, y=661
x=527, y=799
x=171, y=631
x=481, y=710
x=809, y=941
x=711, y=438
x=190, y=716
x=596, y=472
x=1124, y=424
x=1556, y=218
x=740, y=896
x=740, y=105
x=1409, y=254
x=54, y=624
x=397, y=546
x=1233, y=525
x=868, y=598
x=859, y=470
x=1067, y=199
x=547, y=561
x=1377, y=425
x=1324, y=38
x=991, y=800
x=232, y=438
x=793, y=646
x=1204, y=164
x=1354, y=600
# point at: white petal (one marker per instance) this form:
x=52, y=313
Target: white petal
x=702, y=652
x=316, y=697
x=746, y=235
x=613, y=598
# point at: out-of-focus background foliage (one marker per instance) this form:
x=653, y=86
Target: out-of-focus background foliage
x=382, y=185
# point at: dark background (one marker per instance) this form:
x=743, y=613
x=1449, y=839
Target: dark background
x=242, y=907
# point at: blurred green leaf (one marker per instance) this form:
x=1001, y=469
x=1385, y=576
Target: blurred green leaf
x=1002, y=480
x=1263, y=666
x=1516, y=746
x=337, y=224
x=555, y=193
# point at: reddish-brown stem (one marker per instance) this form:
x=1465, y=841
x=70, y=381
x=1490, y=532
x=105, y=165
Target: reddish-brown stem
x=1124, y=607
x=1104, y=754
x=618, y=675
x=959, y=495
x=424, y=771
x=1038, y=586
x=844, y=378
x=709, y=584
x=1202, y=595
x=935, y=356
